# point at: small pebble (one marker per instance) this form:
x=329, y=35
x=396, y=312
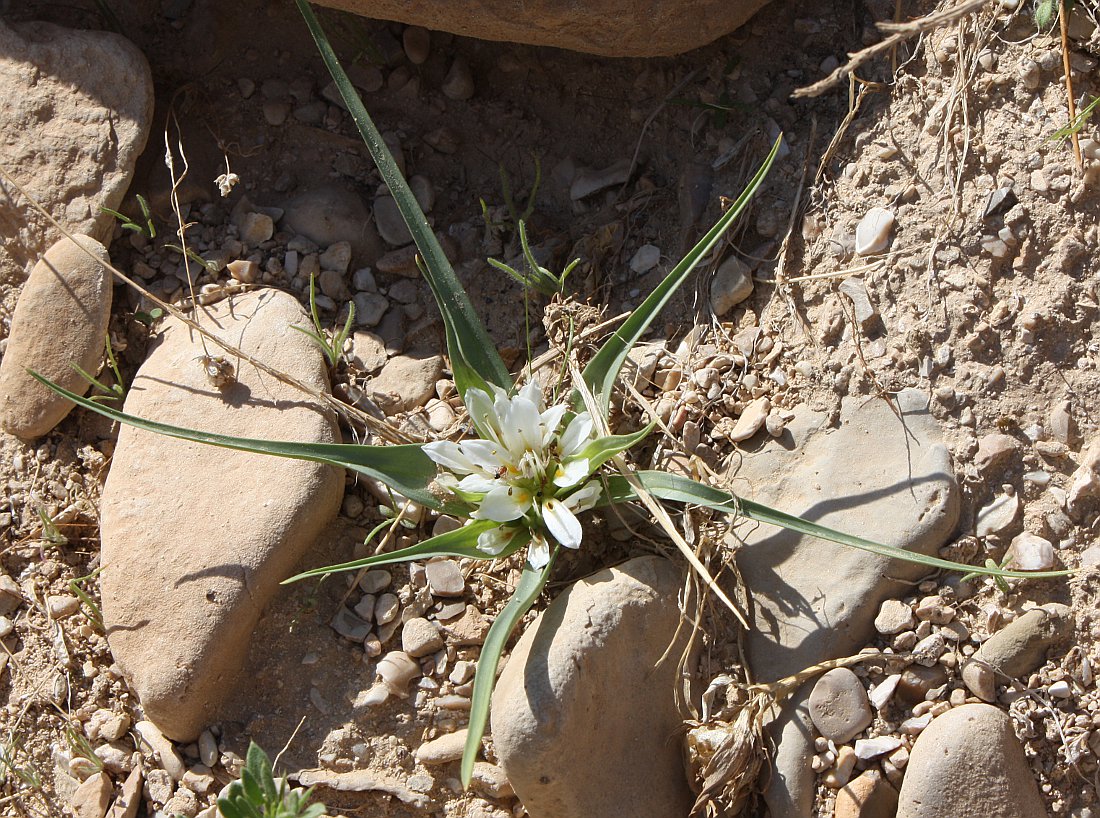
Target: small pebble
x=375, y=580
x=873, y=231
x=445, y=578
x=894, y=616
x=441, y=750
x=838, y=705
x=1030, y=552
x=419, y=637
x=62, y=606
x=417, y=42
x=645, y=258
x=459, y=82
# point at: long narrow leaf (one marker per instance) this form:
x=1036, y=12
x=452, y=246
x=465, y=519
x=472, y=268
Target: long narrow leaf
x=684, y=490
x=530, y=586
x=473, y=356
x=462, y=542
x=602, y=371
x=405, y=469
x=602, y=449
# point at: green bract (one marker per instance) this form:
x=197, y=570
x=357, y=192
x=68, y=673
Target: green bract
x=531, y=468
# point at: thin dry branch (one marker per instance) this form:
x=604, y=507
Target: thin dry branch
x=899, y=32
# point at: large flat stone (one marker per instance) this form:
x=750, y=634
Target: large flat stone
x=583, y=722
x=74, y=116
x=613, y=28
x=884, y=478
x=60, y=320
x=197, y=538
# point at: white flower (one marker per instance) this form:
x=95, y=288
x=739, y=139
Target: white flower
x=524, y=468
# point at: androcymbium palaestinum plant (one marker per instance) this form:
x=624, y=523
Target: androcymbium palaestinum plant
x=528, y=469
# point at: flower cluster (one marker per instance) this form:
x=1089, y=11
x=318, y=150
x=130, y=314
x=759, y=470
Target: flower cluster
x=525, y=472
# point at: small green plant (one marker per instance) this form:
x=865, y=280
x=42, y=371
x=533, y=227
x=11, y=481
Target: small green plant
x=515, y=217
x=91, y=609
x=149, y=318
x=209, y=266
x=50, y=532
x=80, y=746
x=115, y=391
x=10, y=767
x=333, y=349
x=146, y=227
x=1079, y=122
x=535, y=276
x=257, y=795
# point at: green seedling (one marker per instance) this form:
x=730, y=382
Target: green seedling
x=535, y=276
x=333, y=349
x=50, y=532
x=509, y=201
x=11, y=769
x=1079, y=122
x=90, y=608
x=530, y=469
x=115, y=391
x=147, y=229
x=257, y=794
x=1002, y=583
x=80, y=746
x=149, y=318
x=209, y=266
x=1047, y=11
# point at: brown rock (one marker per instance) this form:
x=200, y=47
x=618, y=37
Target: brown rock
x=84, y=101
x=613, y=28
x=968, y=762
x=91, y=798
x=60, y=320
x=868, y=796
x=585, y=676
x=197, y=538
x=406, y=382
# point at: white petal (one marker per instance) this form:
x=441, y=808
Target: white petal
x=503, y=504
x=484, y=455
x=449, y=455
x=576, y=434
x=477, y=484
x=483, y=413
x=550, y=421
x=525, y=421
x=533, y=392
x=561, y=522
x=495, y=540
x=538, y=552
x=584, y=498
x=571, y=473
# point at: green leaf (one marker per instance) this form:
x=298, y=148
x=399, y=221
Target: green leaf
x=602, y=449
x=684, y=490
x=472, y=351
x=530, y=586
x=602, y=371
x=259, y=766
x=462, y=542
x=405, y=468
x=229, y=807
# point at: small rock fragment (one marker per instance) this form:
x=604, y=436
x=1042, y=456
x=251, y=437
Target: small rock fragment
x=419, y=637
x=998, y=514
x=645, y=258
x=391, y=225
x=856, y=289
x=406, y=382
x=751, y=419
x=838, y=705
x=1030, y=552
x=92, y=797
x=62, y=606
x=587, y=182
x=1020, y=647
x=867, y=796
x=418, y=44
x=446, y=748
x=459, y=82
x=894, y=616
x=169, y=759
x=732, y=284
x=445, y=578
x=873, y=231
x=994, y=451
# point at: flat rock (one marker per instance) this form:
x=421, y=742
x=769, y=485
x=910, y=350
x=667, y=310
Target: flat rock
x=60, y=320
x=874, y=476
x=582, y=677
x=866, y=796
x=839, y=706
x=331, y=213
x=406, y=382
x=197, y=538
x=968, y=763
x=732, y=284
x=1021, y=646
x=92, y=797
x=85, y=100
x=613, y=28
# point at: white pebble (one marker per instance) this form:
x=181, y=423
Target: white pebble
x=873, y=232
